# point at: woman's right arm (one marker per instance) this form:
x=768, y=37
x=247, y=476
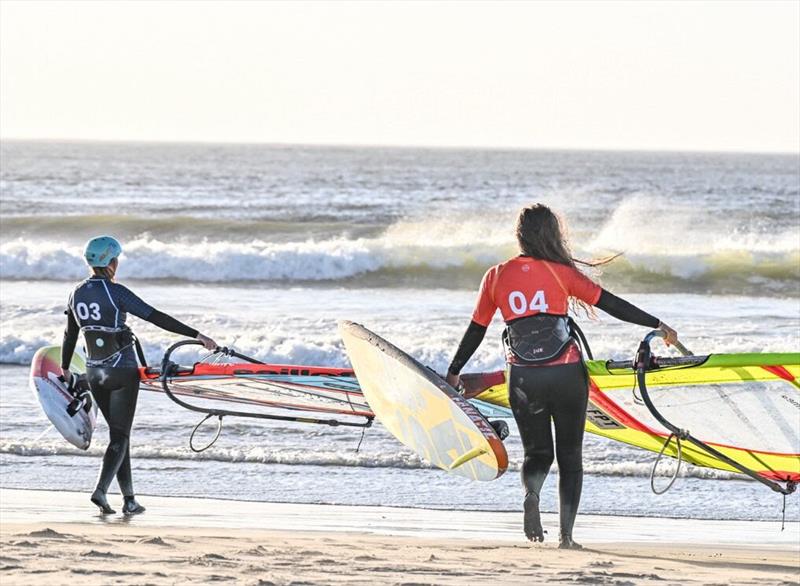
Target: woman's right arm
x=169, y=323
x=134, y=305
x=622, y=310
x=583, y=288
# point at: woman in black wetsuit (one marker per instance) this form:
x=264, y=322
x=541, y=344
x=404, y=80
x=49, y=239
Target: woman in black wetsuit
x=98, y=307
x=546, y=375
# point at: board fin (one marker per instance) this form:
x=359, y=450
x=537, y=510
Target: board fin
x=464, y=458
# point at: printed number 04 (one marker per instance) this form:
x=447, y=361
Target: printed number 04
x=519, y=305
x=84, y=312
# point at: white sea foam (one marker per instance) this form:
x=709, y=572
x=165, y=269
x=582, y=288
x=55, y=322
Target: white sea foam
x=257, y=260
x=285, y=347
x=298, y=326
x=257, y=455
x=687, y=238
x=709, y=256
x=402, y=459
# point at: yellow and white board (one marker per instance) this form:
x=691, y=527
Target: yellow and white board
x=53, y=397
x=422, y=410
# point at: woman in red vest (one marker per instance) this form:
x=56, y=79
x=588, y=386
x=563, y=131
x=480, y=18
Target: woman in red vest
x=546, y=375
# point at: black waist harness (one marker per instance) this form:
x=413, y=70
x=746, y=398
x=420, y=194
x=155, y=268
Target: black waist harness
x=104, y=345
x=541, y=338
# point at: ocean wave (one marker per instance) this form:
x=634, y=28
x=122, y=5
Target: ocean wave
x=279, y=327
x=364, y=459
x=19, y=348
x=652, y=227
x=251, y=455
x=452, y=255
x=146, y=259
x=182, y=228
x=401, y=247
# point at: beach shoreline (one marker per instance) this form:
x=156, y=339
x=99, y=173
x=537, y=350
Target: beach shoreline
x=57, y=537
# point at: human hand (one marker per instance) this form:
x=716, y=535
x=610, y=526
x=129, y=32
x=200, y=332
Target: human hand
x=208, y=343
x=670, y=335
x=454, y=381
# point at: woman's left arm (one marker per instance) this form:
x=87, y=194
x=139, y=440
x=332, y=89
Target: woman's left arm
x=68, y=344
x=469, y=343
x=485, y=309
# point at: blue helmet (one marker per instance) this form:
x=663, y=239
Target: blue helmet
x=101, y=250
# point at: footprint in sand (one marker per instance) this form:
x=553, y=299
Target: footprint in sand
x=152, y=541
x=219, y=578
x=30, y=544
x=48, y=534
x=257, y=550
x=7, y=567
x=113, y=573
x=212, y=559
x=93, y=553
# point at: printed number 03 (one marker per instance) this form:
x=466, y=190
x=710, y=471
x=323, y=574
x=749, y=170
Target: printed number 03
x=84, y=311
x=520, y=305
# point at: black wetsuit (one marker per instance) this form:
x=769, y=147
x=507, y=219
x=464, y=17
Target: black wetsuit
x=557, y=391
x=537, y=395
x=99, y=308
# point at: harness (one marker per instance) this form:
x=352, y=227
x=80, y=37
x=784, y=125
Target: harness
x=541, y=338
x=104, y=345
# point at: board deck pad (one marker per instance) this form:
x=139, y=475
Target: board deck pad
x=54, y=398
x=422, y=410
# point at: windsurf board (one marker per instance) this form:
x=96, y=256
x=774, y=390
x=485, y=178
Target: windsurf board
x=54, y=398
x=421, y=410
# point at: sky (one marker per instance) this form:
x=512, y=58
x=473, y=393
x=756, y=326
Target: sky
x=722, y=76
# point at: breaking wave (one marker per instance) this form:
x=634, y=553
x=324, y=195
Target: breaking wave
x=441, y=254
x=401, y=459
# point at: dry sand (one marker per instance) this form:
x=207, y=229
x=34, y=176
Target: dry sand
x=296, y=546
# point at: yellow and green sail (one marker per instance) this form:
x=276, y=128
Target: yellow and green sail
x=746, y=406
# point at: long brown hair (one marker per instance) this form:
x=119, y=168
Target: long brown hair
x=541, y=234
x=108, y=271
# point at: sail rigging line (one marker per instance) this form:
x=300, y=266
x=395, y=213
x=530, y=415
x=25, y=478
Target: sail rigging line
x=645, y=362
x=361, y=439
x=213, y=440
x=658, y=459
x=170, y=369
x=783, y=513
x=636, y=398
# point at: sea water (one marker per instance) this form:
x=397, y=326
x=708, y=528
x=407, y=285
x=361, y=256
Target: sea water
x=265, y=248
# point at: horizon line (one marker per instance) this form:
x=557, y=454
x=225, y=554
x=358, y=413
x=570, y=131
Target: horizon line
x=402, y=146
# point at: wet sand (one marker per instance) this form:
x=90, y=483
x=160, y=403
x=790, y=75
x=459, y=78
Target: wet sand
x=56, y=538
